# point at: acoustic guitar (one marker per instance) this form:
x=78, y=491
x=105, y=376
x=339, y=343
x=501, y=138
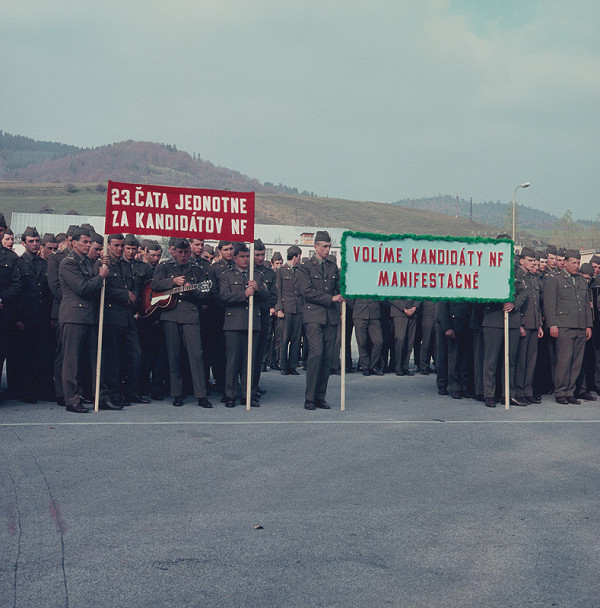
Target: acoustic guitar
x=152, y=301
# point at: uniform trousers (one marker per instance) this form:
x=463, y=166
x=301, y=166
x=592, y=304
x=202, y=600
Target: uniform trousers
x=35, y=365
x=290, y=332
x=321, y=346
x=79, y=346
x=570, y=346
x=478, y=353
x=368, y=329
x=155, y=363
x=459, y=361
x=493, y=343
x=426, y=351
x=236, y=342
x=121, y=357
x=526, y=361
x=262, y=338
x=404, y=331
x=186, y=335
x=441, y=359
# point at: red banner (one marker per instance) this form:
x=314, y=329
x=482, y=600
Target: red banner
x=147, y=210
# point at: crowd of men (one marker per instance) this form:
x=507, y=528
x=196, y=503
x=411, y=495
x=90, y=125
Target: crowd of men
x=176, y=323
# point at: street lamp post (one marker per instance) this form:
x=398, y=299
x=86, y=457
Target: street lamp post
x=524, y=185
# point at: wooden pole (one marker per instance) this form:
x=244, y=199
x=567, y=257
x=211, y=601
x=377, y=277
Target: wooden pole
x=506, y=364
x=343, y=359
x=250, y=334
x=99, y=350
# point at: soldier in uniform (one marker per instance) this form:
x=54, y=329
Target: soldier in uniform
x=121, y=352
x=77, y=317
x=366, y=316
x=319, y=281
x=215, y=317
x=493, y=342
x=181, y=324
x=10, y=285
x=235, y=289
x=155, y=364
x=453, y=326
x=54, y=262
x=569, y=317
x=32, y=316
x=289, y=312
x=531, y=328
x=267, y=311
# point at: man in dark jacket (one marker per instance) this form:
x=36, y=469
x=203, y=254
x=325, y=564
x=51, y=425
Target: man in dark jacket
x=32, y=317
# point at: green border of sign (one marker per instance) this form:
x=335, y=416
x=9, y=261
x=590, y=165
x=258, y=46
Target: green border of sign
x=425, y=237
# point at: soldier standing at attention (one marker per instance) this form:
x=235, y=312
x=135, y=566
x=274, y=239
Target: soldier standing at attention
x=319, y=281
x=267, y=310
x=181, y=324
x=531, y=329
x=32, y=316
x=289, y=312
x=10, y=285
x=235, y=289
x=77, y=316
x=569, y=317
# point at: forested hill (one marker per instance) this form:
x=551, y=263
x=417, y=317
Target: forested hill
x=28, y=160
x=494, y=213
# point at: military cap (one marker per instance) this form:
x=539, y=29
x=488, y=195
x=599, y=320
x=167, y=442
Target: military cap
x=224, y=244
x=551, y=250
x=209, y=249
x=72, y=229
x=259, y=245
x=131, y=241
x=180, y=244
x=115, y=237
x=79, y=232
x=30, y=231
x=49, y=238
x=294, y=250
x=322, y=235
x=527, y=252
x=240, y=248
x=561, y=251
x=172, y=241
x=3, y=221
x=595, y=259
x=89, y=227
x=572, y=253
x=276, y=256
x=97, y=238
x=60, y=237
x=540, y=255
x=586, y=268
x=152, y=246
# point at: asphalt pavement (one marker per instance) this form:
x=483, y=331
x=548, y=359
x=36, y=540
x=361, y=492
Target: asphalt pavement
x=406, y=499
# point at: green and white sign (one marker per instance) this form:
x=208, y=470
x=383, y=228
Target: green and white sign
x=426, y=267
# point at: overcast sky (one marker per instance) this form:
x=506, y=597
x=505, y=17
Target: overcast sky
x=366, y=100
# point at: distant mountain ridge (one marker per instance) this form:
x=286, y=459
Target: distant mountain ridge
x=494, y=213
x=28, y=160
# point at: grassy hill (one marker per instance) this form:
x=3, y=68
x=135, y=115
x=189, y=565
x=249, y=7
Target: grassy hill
x=282, y=209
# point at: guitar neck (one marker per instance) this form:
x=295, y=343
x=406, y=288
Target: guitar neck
x=183, y=288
